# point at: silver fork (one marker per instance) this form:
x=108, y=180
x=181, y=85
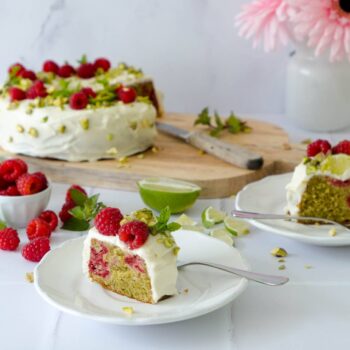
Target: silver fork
x=253, y=276
x=260, y=216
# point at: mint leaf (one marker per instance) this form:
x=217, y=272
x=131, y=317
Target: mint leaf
x=83, y=59
x=78, y=213
x=164, y=215
x=74, y=224
x=234, y=124
x=173, y=226
x=78, y=197
x=203, y=118
x=2, y=225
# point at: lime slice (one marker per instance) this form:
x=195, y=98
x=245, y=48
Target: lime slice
x=236, y=227
x=185, y=220
x=336, y=164
x=212, y=216
x=159, y=192
x=223, y=235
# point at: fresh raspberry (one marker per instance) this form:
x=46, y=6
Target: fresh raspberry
x=16, y=94
x=9, y=239
x=134, y=234
x=89, y=92
x=78, y=100
x=318, y=146
x=4, y=184
x=16, y=69
x=12, y=169
x=66, y=71
x=50, y=217
x=102, y=63
x=36, y=249
x=50, y=67
x=342, y=147
x=29, y=184
x=107, y=221
x=86, y=70
x=69, y=198
x=10, y=191
x=38, y=89
x=64, y=213
x=38, y=228
x=28, y=74
x=42, y=178
x=126, y=94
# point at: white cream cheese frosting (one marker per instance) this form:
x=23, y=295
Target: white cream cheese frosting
x=301, y=176
x=78, y=135
x=160, y=261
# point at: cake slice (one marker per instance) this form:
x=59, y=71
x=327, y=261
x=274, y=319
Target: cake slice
x=320, y=186
x=134, y=256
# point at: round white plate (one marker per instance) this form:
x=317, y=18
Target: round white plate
x=60, y=281
x=269, y=196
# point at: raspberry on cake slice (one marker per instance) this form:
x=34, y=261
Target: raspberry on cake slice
x=320, y=185
x=132, y=255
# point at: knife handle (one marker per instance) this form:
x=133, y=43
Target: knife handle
x=228, y=152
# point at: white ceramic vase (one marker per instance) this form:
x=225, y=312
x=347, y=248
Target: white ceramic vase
x=318, y=92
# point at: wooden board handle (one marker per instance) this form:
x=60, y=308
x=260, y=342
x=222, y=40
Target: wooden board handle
x=228, y=152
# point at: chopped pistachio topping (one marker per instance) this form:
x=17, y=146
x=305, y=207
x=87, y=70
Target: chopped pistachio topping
x=62, y=129
x=128, y=310
x=33, y=132
x=112, y=151
x=29, y=276
x=282, y=267
x=176, y=251
x=155, y=149
x=141, y=156
x=85, y=123
x=279, y=252
x=29, y=110
x=144, y=99
x=13, y=105
x=308, y=267
x=123, y=160
x=281, y=260
x=20, y=128
x=10, y=139
x=110, y=137
x=133, y=125
x=45, y=119
x=332, y=232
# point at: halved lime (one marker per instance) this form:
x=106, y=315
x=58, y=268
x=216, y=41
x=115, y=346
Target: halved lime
x=236, y=227
x=159, y=192
x=223, y=235
x=212, y=216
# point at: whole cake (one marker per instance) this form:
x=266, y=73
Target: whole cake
x=134, y=256
x=320, y=186
x=84, y=113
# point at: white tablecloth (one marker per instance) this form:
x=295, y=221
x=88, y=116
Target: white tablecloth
x=310, y=312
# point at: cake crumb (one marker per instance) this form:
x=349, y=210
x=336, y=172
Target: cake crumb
x=308, y=267
x=287, y=146
x=155, y=149
x=332, y=232
x=29, y=277
x=141, y=156
x=201, y=152
x=282, y=267
x=128, y=310
x=186, y=290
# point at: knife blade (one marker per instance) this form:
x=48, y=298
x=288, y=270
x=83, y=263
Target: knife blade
x=231, y=153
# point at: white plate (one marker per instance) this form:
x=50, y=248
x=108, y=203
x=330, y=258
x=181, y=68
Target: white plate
x=269, y=196
x=60, y=281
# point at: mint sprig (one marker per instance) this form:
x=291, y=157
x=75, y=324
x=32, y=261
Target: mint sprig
x=84, y=212
x=217, y=125
x=162, y=225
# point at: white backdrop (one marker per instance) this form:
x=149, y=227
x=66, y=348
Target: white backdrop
x=190, y=47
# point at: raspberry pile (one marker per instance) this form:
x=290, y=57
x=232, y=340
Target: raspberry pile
x=78, y=99
x=69, y=203
x=15, y=180
x=324, y=147
x=134, y=233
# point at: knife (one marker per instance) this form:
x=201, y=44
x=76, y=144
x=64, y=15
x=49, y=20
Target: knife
x=228, y=152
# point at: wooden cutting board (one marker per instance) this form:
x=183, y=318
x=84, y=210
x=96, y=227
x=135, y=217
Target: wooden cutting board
x=174, y=158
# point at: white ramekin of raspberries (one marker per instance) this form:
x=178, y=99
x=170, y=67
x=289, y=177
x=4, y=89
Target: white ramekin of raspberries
x=23, y=195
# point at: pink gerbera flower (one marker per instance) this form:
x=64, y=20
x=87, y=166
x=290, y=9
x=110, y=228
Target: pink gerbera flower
x=325, y=24
x=266, y=21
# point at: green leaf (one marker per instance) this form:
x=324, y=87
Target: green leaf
x=218, y=121
x=2, y=225
x=215, y=132
x=203, y=118
x=173, y=226
x=78, y=197
x=83, y=59
x=164, y=215
x=78, y=213
x=74, y=224
x=234, y=124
